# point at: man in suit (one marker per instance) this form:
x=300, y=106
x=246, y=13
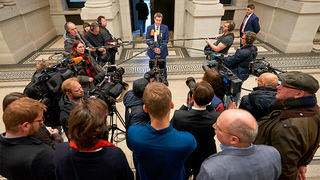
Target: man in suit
x=236, y=129
x=198, y=121
x=158, y=36
x=250, y=22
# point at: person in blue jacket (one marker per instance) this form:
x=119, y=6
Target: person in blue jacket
x=250, y=22
x=158, y=36
x=239, y=62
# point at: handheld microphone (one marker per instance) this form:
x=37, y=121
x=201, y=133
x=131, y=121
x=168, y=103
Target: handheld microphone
x=152, y=32
x=77, y=59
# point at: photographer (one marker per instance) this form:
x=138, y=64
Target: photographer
x=239, y=62
x=198, y=121
x=87, y=68
x=224, y=41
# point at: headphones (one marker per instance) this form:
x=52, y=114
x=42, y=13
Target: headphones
x=231, y=26
x=93, y=25
x=66, y=27
x=250, y=37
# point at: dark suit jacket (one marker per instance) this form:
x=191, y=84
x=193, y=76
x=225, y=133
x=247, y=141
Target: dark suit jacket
x=252, y=24
x=199, y=124
x=163, y=46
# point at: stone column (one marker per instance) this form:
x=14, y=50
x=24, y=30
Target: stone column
x=202, y=20
x=288, y=25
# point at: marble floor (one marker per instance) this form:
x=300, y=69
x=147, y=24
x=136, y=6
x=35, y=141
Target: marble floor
x=180, y=66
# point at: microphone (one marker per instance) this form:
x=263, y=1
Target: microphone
x=152, y=32
x=77, y=59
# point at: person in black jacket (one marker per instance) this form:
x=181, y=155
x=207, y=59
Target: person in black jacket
x=260, y=99
x=143, y=13
x=23, y=156
x=107, y=36
x=198, y=121
x=72, y=95
x=88, y=155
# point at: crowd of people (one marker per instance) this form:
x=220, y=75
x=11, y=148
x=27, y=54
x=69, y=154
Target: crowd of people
x=273, y=134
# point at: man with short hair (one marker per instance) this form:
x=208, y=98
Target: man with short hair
x=160, y=150
x=250, y=22
x=198, y=121
x=294, y=124
x=239, y=62
x=143, y=13
x=72, y=35
x=260, y=99
x=158, y=36
x=96, y=39
x=224, y=41
x=73, y=95
x=22, y=156
x=107, y=36
x=236, y=129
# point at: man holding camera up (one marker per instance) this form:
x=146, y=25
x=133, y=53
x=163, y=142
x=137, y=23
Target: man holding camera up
x=198, y=121
x=158, y=36
x=239, y=62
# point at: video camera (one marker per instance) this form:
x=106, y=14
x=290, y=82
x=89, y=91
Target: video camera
x=190, y=83
x=231, y=84
x=110, y=86
x=260, y=66
x=157, y=71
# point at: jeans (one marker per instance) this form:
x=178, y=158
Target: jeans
x=142, y=25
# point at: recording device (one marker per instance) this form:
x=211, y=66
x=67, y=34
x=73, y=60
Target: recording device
x=190, y=83
x=157, y=71
x=110, y=86
x=231, y=84
x=260, y=66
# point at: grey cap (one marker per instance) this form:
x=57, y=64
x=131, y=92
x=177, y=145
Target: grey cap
x=301, y=81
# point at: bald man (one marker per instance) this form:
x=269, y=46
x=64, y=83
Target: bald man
x=260, y=99
x=236, y=129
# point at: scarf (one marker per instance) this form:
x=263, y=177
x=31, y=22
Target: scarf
x=88, y=66
x=101, y=143
x=294, y=103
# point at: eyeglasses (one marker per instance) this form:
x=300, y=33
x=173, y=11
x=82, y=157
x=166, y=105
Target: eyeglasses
x=216, y=127
x=40, y=120
x=281, y=85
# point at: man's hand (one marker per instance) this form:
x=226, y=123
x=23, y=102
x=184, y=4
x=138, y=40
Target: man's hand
x=53, y=131
x=119, y=42
x=207, y=41
x=232, y=105
x=189, y=100
x=90, y=79
x=302, y=170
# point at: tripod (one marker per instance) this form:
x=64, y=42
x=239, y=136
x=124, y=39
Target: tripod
x=157, y=65
x=113, y=127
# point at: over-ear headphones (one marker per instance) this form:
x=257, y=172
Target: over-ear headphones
x=66, y=27
x=250, y=37
x=93, y=25
x=99, y=19
x=231, y=26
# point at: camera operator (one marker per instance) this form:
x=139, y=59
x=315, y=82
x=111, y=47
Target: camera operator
x=96, y=39
x=239, y=62
x=198, y=121
x=72, y=35
x=108, y=37
x=259, y=100
x=224, y=41
x=134, y=113
x=87, y=68
x=73, y=95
